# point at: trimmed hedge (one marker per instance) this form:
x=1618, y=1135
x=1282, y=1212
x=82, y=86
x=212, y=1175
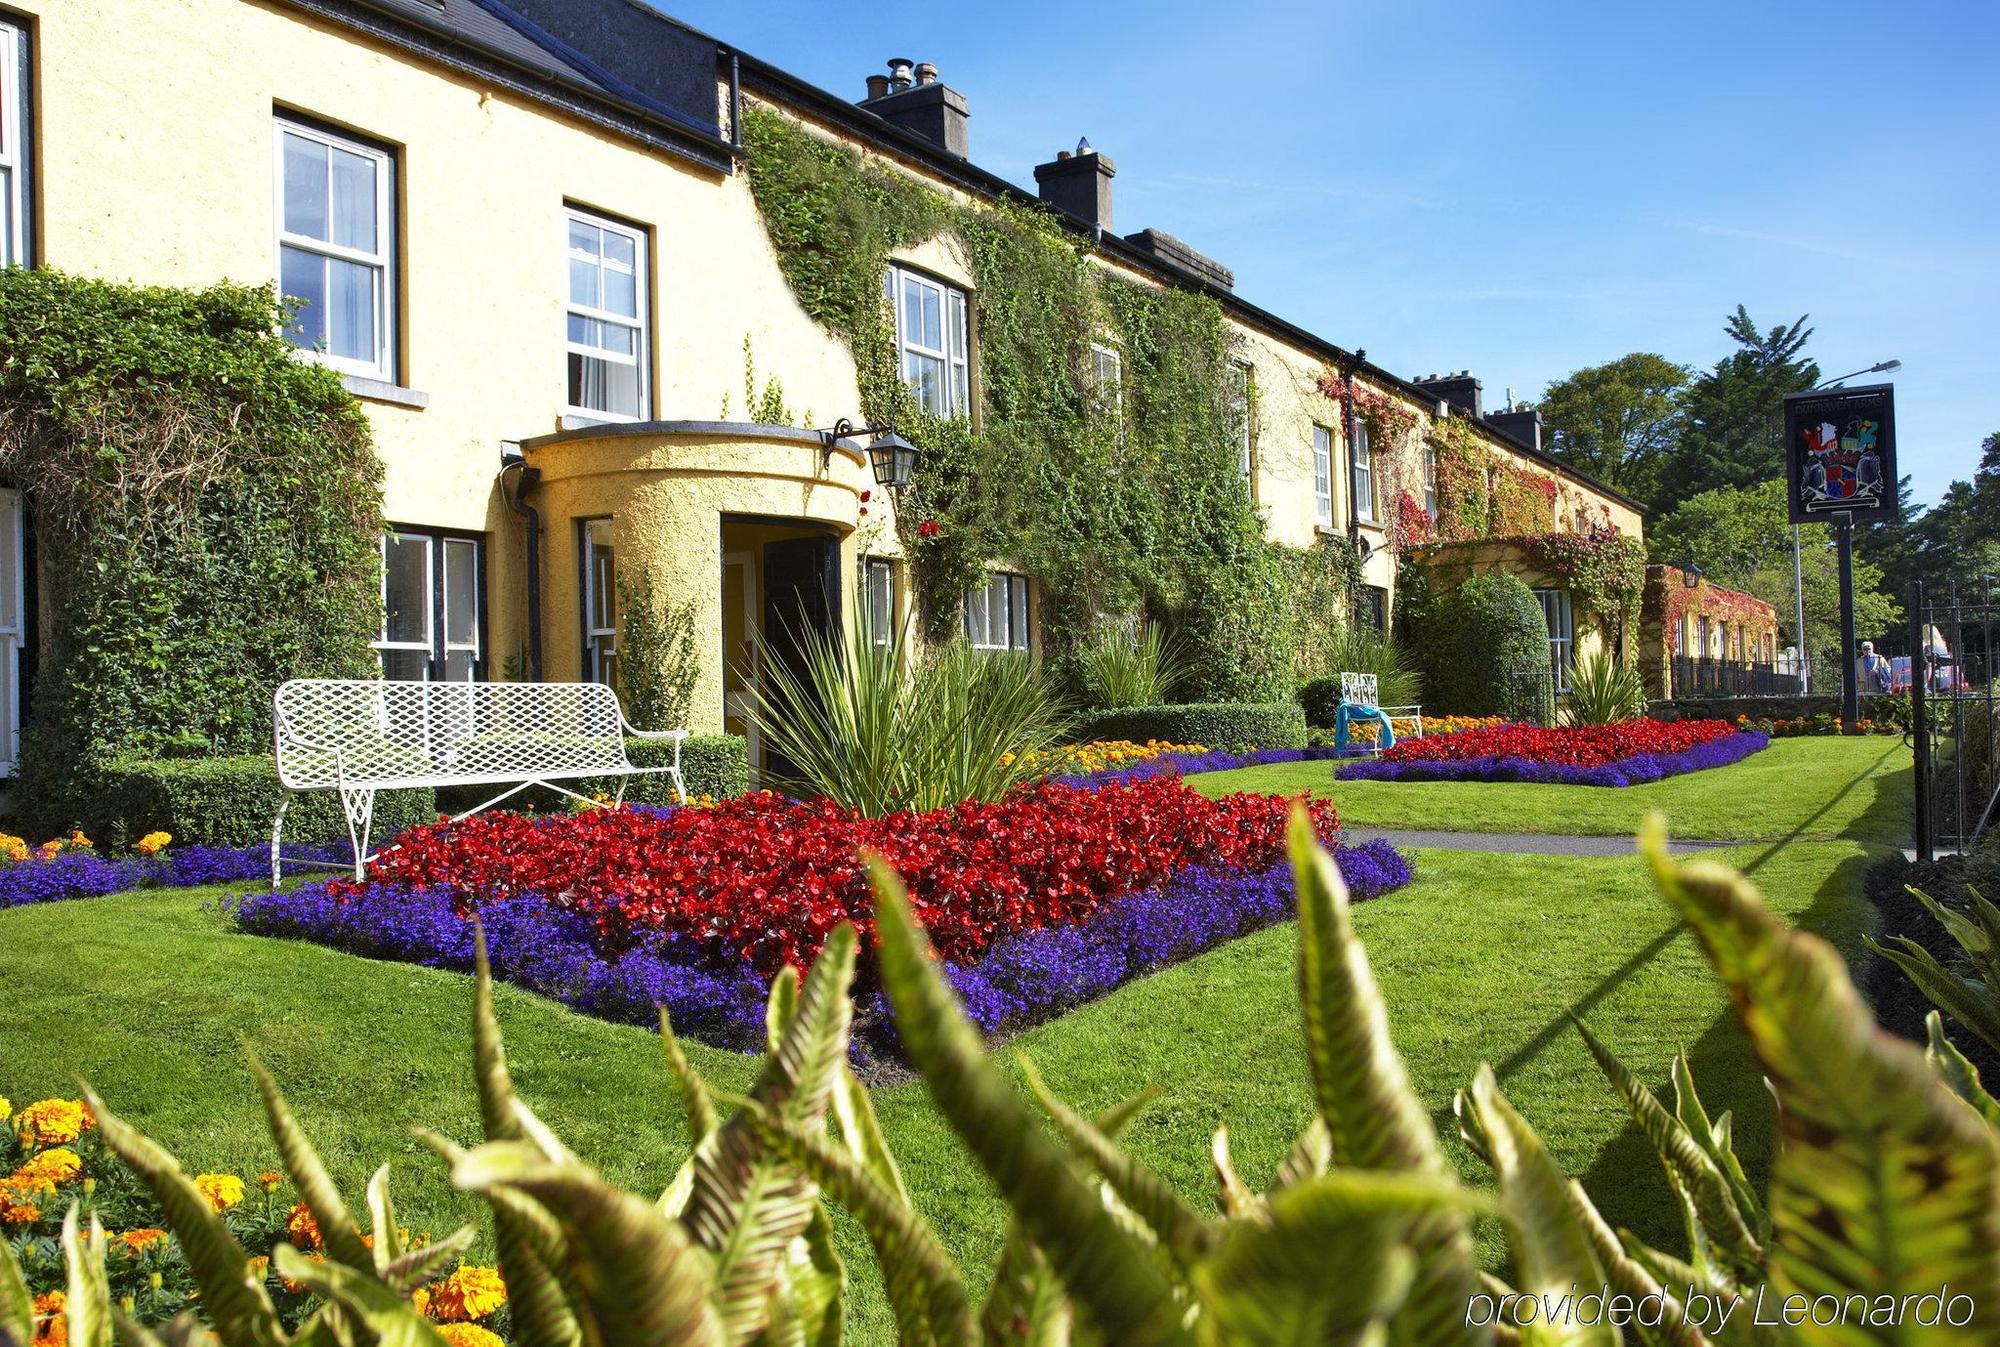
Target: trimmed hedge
x=1235, y=726
x=229, y=801
x=1483, y=649
x=1320, y=698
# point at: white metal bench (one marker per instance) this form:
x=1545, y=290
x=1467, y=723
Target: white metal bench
x=361, y=735
x=1360, y=690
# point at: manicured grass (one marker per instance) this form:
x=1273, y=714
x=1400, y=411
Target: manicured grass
x=147, y=995
x=1797, y=788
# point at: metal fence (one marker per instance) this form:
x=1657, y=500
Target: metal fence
x=1954, y=731
x=1704, y=677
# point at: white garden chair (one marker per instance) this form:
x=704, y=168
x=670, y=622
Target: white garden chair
x=361, y=735
x=1359, y=690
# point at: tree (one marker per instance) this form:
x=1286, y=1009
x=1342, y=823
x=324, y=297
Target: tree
x=1617, y=420
x=1741, y=537
x=1733, y=416
x=1953, y=546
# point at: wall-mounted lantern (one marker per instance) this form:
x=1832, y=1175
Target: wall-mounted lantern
x=1691, y=574
x=893, y=458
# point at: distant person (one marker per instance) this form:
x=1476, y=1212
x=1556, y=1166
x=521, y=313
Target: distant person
x=1871, y=671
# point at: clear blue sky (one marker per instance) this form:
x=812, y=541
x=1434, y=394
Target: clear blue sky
x=1518, y=189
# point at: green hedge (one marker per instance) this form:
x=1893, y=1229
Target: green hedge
x=713, y=764
x=1319, y=698
x=228, y=801
x=1227, y=725
x=1483, y=649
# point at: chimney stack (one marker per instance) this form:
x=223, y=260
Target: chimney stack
x=911, y=97
x=1523, y=426
x=1079, y=184
x=1461, y=390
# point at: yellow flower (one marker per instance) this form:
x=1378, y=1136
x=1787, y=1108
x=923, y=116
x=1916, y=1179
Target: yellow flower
x=141, y=1241
x=13, y=848
x=470, y=1292
x=53, y=1122
x=269, y=1180
x=300, y=1227
x=469, y=1335
x=51, y=1327
x=223, y=1191
x=16, y=1208
x=56, y=1165
x=260, y=1268
x=421, y=1300
x=6, y=1108
x=152, y=842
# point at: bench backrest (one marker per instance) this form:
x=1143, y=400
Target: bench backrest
x=1358, y=689
x=387, y=734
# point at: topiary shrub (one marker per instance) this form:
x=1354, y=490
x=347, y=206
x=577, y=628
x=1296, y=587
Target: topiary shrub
x=229, y=801
x=1483, y=649
x=207, y=509
x=1228, y=725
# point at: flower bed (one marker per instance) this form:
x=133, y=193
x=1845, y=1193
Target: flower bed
x=55, y=872
x=51, y=1156
x=1101, y=755
x=1039, y=902
x=1808, y=726
x=1626, y=753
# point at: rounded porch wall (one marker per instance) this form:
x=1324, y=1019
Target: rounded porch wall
x=667, y=487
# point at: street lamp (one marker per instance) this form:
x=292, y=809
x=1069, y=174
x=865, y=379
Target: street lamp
x=1798, y=565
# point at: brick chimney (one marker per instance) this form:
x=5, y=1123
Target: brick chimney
x=1079, y=184
x=911, y=97
x=1461, y=390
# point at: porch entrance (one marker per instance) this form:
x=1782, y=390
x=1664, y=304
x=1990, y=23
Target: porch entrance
x=780, y=581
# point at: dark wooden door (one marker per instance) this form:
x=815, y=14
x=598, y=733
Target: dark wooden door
x=801, y=596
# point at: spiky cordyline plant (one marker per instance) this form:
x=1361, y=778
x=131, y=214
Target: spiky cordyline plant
x=1119, y=669
x=1886, y=1185
x=1602, y=691
x=882, y=727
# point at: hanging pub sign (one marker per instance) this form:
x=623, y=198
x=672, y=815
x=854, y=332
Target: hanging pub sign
x=1840, y=453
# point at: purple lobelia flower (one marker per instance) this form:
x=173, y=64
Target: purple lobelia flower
x=1632, y=771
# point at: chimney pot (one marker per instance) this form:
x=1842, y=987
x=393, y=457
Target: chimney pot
x=923, y=106
x=926, y=74
x=878, y=86
x=899, y=73
x=1061, y=155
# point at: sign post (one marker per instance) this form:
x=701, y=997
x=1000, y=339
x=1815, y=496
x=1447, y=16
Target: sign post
x=1840, y=468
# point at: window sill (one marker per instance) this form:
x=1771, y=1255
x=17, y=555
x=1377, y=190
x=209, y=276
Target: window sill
x=585, y=420
x=379, y=390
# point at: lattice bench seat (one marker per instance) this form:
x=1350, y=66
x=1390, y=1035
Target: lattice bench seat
x=361, y=735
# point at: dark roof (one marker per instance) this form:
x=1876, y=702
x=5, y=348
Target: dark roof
x=626, y=55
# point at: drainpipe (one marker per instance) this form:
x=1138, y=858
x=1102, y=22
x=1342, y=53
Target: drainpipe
x=517, y=500
x=735, y=101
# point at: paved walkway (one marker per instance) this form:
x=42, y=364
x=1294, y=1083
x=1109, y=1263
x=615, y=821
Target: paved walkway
x=1531, y=844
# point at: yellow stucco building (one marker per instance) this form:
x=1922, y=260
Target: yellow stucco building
x=523, y=233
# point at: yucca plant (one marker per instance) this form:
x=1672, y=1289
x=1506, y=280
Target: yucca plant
x=1120, y=669
x=1602, y=690
x=883, y=727
x=1886, y=1186
x=1972, y=997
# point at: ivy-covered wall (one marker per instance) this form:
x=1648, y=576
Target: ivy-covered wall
x=1114, y=510
x=206, y=510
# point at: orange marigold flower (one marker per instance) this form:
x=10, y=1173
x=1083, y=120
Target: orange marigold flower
x=56, y=1165
x=16, y=1209
x=223, y=1191
x=469, y=1335
x=269, y=1180
x=301, y=1228
x=300, y=1288
x=141, y=1241
x=260, y=1268
x=421, y=1300
x=470, y=1292
x=51, y=1328
x=152, y=842
x=53, y=1122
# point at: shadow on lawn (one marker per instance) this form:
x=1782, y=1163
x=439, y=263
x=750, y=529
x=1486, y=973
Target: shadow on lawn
x=1626, y=1179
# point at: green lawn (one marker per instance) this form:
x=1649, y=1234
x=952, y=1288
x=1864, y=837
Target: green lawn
x=147, y=994
x=1797, y=788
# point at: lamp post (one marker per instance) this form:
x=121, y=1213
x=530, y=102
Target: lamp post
x=1850, y=698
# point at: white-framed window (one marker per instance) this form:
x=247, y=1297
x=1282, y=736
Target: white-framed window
x=13, y=629
x=1322, y=476
x=878, y=589
x=431, y=606
x=600, y=602
x=605, y=323
x=1107, y=383
x=1241, y=376
x=1431, y=481
x=1363, y=467
x=996, y=613
x=932, y=340
x=1557, y=614
x=14, y=145
x=336, y=247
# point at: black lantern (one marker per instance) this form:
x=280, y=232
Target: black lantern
x=1691, y=575
x=894, y=460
